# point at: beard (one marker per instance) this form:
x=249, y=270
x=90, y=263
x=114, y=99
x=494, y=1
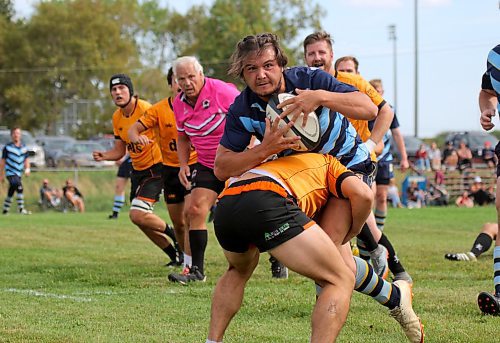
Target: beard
x=268, y=94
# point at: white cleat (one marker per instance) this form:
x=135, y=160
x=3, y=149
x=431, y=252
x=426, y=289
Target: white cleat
x=405, y=316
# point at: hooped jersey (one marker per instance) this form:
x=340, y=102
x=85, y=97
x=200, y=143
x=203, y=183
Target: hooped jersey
x=246, y=118
x=310, y=178
x=161, y=116
x=15, y=157
x=143, y=156
x=491, y=78
x=364, y=86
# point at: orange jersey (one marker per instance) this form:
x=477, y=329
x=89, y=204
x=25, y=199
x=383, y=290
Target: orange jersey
x=160, y=116
x=143, y=156
x=364, y=86
x=311, y=178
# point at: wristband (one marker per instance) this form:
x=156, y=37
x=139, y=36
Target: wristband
x=370, y=145
x=27, y=171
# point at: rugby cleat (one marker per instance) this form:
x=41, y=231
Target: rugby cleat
x=489, y=303
x=467, y=256
x=24, y=211
x=193, y=276
x=379, y=261
x=278, y=269
x=405, y=316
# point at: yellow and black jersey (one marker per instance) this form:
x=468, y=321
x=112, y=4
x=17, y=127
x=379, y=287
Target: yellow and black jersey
x=364, y=86
x=310, y=178
x=143, y=156
x=160, y=116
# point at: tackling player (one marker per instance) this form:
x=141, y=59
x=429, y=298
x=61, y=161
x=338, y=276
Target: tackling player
x=269, y=208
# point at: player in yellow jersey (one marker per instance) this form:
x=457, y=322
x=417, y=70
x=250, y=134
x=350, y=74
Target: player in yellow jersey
x=269, y=208
x=147, y=180
x=160, y=117
x=318, y=52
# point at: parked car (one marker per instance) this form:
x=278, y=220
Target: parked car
x=79, y=154
x=412, y=144
x=35, y=151
x=473, y=139
x=53, y=147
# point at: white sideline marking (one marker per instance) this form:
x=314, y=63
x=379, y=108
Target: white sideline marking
x=47, y=295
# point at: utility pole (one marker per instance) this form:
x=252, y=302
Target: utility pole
x=416, y=68
x=393, y=37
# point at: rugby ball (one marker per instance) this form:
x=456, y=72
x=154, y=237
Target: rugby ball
x=310, y=134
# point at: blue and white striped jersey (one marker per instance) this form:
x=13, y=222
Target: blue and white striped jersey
x=14, y=157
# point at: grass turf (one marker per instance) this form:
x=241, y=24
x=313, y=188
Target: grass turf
x=82, y=278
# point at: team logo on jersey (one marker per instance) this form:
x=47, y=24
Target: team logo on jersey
x=206, y=104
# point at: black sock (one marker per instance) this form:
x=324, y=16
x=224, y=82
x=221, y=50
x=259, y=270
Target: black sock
x=395, y=265
x=198, y=242
x=366, y=236
x=170, y=251
x=169, y=231
x=481, y=244
x=395, y=298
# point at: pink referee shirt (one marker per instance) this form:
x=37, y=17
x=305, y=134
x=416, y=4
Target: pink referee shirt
x=204, y=124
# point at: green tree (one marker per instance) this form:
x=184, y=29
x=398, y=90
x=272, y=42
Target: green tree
x=6, y=9
x=70, y=49
x=217, y=31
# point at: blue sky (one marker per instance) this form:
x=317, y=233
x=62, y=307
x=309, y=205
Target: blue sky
x=454, y=39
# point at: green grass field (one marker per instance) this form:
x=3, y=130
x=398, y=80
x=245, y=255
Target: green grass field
x=82, y=278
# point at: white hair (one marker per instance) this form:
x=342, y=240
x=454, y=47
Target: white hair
x=187, y=60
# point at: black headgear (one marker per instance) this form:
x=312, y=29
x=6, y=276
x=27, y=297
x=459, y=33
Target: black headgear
x=121, y=79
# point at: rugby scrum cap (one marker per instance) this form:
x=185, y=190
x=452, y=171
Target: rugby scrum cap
x=121, y=79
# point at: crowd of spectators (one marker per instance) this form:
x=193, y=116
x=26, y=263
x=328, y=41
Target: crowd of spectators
x=474, y=192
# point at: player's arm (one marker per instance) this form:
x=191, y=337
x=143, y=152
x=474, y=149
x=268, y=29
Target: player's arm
x=27, y=169
x=360, y=197
x=134, y=134
x=229, y=163
x=487, y=105
x=381, y=125
x=355, y=105
x=114, y=154
x=2, y=169
x=400, y=144
x=183, y=152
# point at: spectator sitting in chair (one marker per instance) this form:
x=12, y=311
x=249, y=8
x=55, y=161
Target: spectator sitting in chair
x=438, y=195
x=480, y=195
x=464, y=200
x=416, y=196
x=49, y=196
x=74, y=197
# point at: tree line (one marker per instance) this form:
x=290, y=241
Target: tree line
x=67, y=50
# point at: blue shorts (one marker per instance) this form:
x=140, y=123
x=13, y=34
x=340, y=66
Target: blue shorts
x=385, y=172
